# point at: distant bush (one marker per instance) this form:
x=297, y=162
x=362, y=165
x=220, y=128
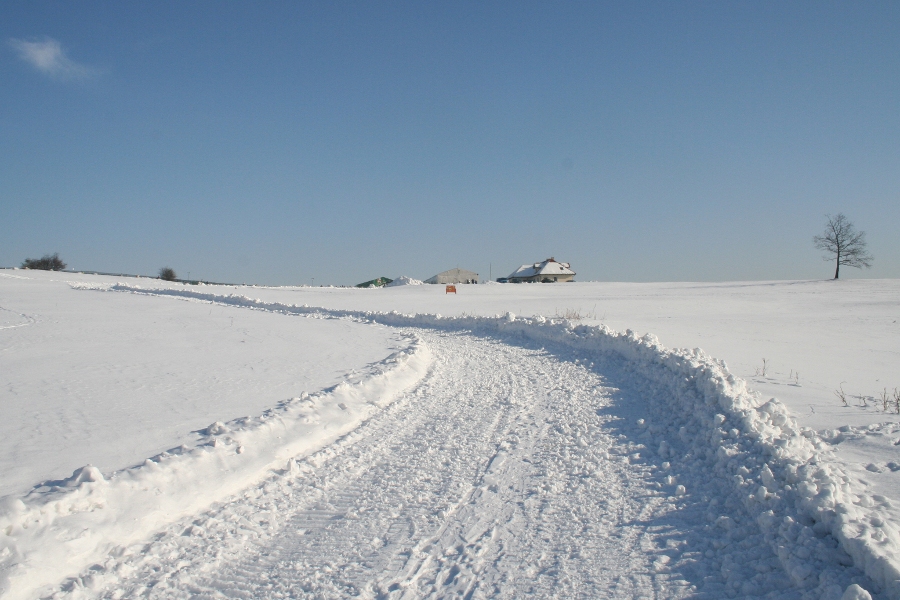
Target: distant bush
x=46, y=263
x=167, y=274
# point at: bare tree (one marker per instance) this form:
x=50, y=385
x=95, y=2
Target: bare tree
x=46, y=263
x=843, y=243
x=167, y=274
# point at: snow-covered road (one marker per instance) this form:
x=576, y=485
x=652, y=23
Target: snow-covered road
x=470, y=456
x=509, y=470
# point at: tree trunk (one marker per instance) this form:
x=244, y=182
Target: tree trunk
x=837, y=267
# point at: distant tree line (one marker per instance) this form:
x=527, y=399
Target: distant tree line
x=47, y=262
x=52, y=262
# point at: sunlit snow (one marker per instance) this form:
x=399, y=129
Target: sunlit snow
x=587, y=439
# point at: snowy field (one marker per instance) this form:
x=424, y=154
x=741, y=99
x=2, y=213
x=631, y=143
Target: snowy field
x=569, y=440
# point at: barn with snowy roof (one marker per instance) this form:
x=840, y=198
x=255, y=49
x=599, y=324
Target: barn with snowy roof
x=548, y=271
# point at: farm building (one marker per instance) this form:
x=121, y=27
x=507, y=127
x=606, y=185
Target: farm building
x=548, y=271
x=454, y=276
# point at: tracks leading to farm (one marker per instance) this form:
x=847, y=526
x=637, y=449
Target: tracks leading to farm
x=512, y=470
x=509, y=470
x=498, y=475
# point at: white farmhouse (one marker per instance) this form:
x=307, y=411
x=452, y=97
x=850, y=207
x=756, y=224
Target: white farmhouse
x=548, y=271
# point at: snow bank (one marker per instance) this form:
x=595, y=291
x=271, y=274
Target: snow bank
x=404, y=280
x=62, y=527
x=812, y=514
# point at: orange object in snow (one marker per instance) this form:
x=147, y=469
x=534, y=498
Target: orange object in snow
x=450, y=288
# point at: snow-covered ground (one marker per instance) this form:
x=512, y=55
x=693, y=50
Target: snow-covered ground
x=113, y=379
x=480, y=453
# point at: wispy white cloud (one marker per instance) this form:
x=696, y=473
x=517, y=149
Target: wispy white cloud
x=48, y=57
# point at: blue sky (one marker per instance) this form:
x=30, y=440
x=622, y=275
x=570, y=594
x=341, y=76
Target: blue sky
x=280, y=142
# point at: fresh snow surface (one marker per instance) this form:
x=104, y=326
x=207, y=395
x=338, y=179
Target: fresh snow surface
x=112, y=379
x=506, y=456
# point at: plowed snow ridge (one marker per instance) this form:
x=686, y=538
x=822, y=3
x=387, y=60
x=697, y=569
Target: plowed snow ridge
x=533, y=458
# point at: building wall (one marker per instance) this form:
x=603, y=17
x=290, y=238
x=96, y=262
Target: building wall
x=540, y=278
x=456, y=279
x=460, y=276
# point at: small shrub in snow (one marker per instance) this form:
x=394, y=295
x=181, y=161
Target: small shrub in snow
x=573, y=314
x=841, y=394
x=570, y=314
x=167, y=274
x=46, y=263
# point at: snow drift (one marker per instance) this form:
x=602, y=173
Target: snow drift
x=404, y=280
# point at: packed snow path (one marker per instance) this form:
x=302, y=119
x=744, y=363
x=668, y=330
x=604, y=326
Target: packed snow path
x=506, y=472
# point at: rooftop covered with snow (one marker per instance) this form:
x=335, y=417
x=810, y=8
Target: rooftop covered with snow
x=546, y=269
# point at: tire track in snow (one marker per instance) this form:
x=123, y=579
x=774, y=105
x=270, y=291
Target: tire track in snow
x=16, y=320
x=495, y=477
x=507, y=472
